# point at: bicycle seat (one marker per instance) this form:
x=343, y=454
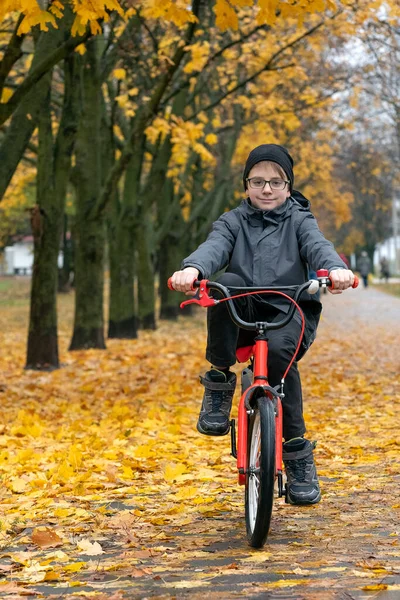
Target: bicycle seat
x=244, y=353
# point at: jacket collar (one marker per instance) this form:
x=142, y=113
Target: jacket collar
x=278, y=214
x=256, y=214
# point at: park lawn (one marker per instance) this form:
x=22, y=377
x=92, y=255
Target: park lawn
x=389, y=288
x=15, y=302
x=14, y=291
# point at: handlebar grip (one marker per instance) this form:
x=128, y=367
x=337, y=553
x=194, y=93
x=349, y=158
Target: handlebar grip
x=195, y=284
x=356, y=282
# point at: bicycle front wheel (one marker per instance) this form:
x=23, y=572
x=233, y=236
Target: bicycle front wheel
x=260, y=477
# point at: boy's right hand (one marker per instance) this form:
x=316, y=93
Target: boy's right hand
x=182, y=281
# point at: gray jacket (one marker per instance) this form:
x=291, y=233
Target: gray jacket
x=269, y=248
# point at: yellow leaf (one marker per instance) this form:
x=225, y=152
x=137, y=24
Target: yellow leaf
x=122, y=100
x=119, y=74
x=375, y=587
x=258, y=557
x=187, y=493
x=127, y=472
x=172, y=471
x=6, y=95
x=18, y=485
x=211, y=139
x=143, y=452
x=81, y=49
x=226, y=17
x=74, y=567
x=282, y=583
x=52, y=576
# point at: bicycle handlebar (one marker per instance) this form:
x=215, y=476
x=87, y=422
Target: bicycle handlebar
x=298, y=289
x=204, y=299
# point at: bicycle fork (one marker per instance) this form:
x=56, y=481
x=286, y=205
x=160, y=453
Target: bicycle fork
x=240, y=451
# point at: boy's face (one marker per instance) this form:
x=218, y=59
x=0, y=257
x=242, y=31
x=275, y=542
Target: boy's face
x=265, y=198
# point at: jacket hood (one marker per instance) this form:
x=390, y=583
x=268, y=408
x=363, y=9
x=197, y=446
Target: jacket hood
x=302, y=200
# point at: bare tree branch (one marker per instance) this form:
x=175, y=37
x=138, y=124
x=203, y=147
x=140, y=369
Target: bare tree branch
x=37, y=73
x=269, y=66
x=12, y=53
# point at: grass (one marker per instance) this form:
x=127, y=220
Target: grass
x=14, y=291
x=389, y=288
x=15, y=304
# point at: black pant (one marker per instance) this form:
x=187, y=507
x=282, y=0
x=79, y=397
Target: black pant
x=224, y=337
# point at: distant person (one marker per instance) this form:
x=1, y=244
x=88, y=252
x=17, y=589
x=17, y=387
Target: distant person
x=384, y=266
x=364, y=267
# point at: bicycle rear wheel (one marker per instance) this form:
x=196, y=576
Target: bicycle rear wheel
x=260, y=477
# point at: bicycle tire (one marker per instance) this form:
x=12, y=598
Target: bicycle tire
x=260, y=476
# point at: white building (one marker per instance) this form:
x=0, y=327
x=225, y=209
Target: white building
x=18, y=258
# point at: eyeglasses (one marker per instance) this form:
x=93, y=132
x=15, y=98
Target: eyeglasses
x=258, y=183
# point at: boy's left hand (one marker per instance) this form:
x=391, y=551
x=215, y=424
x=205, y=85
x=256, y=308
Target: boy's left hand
x=341, y=280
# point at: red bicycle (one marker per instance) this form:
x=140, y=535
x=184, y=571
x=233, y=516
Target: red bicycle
x=259, y=441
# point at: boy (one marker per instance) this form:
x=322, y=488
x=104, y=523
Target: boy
x=268, y=240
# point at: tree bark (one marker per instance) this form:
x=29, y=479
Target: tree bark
x=42, y=351
x=90, y=228
x=145, y=271
x=54, y=162
x=170, y=257
x=123, y=320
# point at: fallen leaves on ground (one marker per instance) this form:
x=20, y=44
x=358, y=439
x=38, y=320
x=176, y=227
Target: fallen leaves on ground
x=107, y=486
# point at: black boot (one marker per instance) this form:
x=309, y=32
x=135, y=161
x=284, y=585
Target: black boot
x=217, y=402
x=302, y=481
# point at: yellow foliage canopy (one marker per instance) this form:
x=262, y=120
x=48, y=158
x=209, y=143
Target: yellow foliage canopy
x=37, y=12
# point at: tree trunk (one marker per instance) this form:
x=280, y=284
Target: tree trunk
x=42, y=351
x=169, y=262
x=54, y=162
x=145, y=271
x=122, y=319
x=170, y=257
x=90, y=227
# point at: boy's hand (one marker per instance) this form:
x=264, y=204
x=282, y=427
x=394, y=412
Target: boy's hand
x=341, y=280
x=182, y=281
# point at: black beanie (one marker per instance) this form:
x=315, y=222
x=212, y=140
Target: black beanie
x=272, y=153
